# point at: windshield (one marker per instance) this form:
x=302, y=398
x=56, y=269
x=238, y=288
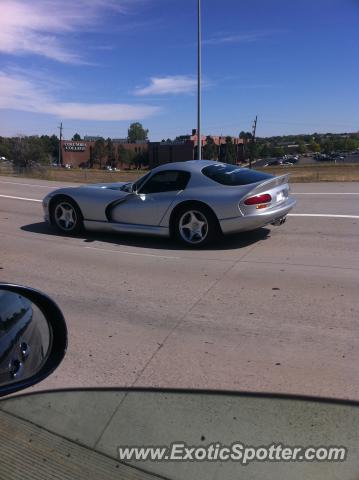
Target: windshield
x=172, y=435
x=232, y=175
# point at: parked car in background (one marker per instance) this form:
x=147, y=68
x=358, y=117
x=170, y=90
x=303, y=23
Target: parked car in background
x=273, y=163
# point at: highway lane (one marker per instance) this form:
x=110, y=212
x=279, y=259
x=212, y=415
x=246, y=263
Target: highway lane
x=274, y=310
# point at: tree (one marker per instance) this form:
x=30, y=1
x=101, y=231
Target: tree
x=38, y=152
x=350, y=144
x=278, y=151
x=5, y=148
x=50, y=146
x=76, y=137
x=29, y=152
x=122, y=155
x=230, y=155
x=302, y=148
x=145, y=160
x=110, y=151
x=136, y=132
x=314, y=147
x=54, y=147
x=264, y=150
x=245, y=135
x=141, y=159
x=253, y=150
x=210, y=150
x=99, y=151
x=20, y=152
x=327, y=146
x=132, y=158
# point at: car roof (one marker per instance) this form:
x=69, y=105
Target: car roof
x=189, y=166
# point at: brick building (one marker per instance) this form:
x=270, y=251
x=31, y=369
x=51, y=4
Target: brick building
x=185, y=148
x=79, y=153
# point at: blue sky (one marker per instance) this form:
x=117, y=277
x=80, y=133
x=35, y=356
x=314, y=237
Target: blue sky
x=98, y=65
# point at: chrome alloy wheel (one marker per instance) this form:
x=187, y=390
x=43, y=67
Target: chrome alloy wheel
x=193, y=227
x=65, y=216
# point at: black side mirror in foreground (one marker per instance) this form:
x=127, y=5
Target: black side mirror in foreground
x=33, y=337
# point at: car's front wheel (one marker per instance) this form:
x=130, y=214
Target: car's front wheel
x=66, y=216
x=196, y=226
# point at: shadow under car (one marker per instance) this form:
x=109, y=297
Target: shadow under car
x=228, y=242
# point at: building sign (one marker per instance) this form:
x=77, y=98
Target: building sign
x=75, y=147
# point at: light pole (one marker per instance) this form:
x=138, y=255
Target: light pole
x=199, y=75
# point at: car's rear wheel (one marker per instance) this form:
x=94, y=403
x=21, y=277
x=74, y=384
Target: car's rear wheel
x=66, y=216
x=195, y=226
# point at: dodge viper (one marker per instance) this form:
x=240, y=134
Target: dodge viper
x=193, y=201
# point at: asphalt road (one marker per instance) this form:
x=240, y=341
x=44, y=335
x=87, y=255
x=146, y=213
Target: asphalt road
x=274, y=310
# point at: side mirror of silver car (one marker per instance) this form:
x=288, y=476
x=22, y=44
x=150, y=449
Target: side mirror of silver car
x=33, y=337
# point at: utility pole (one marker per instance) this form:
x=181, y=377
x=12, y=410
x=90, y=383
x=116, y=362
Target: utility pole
x=60, y=128
x=199, y=81
x=254, y=129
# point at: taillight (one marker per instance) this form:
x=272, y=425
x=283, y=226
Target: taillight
x=258, y=199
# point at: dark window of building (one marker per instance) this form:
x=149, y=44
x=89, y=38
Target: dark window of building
x=167, y=181
x=232, y=175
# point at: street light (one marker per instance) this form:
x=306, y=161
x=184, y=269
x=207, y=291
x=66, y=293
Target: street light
x=199, y=74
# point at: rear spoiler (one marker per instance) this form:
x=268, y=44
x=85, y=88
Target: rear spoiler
x=267, y=184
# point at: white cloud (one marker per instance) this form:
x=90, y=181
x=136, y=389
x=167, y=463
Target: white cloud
x=19, y=93
x=168, y=85
x=42, y=27
x=103, y=111
x=223, y=38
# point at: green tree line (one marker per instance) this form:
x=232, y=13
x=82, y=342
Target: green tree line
x=29, y=151
x=26, y=151
x=227, y=152
x=301, y=144
x=107, y=153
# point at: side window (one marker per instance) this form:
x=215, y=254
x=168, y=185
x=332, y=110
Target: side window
x=166, y=181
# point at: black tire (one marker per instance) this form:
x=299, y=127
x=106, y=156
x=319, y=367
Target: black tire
x=203, y=227
x=66, y=215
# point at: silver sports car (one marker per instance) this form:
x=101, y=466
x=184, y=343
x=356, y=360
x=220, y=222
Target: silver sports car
x=192, y=201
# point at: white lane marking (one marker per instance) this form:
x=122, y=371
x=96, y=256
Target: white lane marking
x=32, y=185
x=325, y=193
x=21, y=198
x=133, y=253
x=325, y=215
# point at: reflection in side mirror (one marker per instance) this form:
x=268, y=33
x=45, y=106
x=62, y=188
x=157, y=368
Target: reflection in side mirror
x=33, y=337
